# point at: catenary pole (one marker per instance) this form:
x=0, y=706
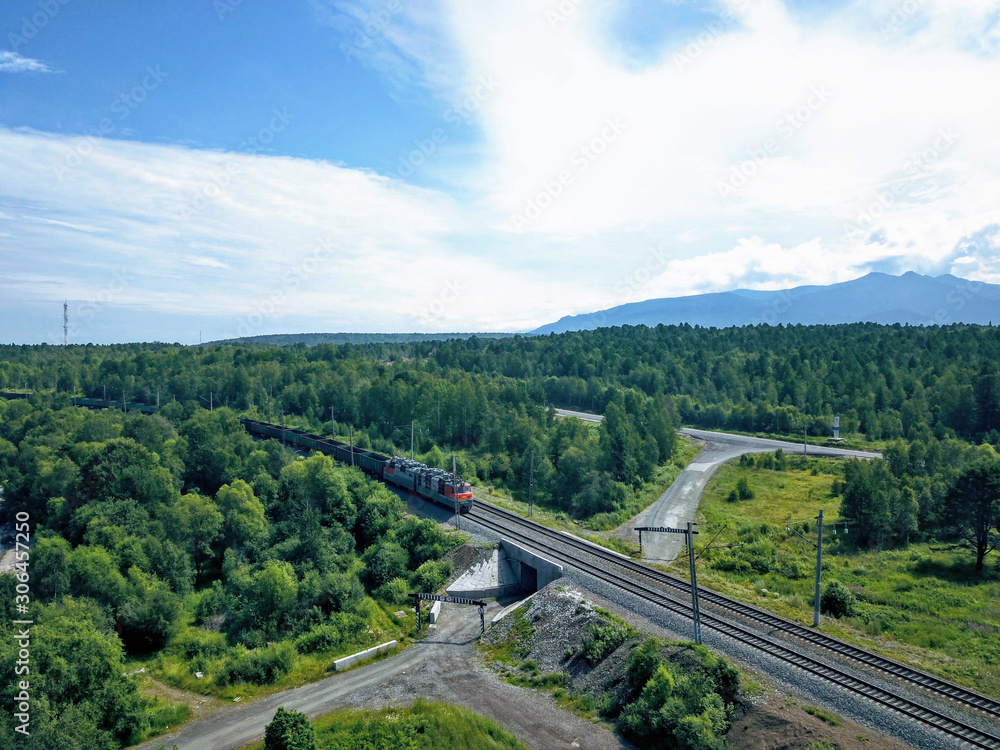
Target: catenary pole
x=819, y=567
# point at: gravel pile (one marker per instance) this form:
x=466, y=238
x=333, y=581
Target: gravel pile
x=560, y=619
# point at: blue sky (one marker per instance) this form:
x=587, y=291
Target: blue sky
x=198, y=168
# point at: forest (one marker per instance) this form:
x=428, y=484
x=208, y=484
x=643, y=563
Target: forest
x=175, y=539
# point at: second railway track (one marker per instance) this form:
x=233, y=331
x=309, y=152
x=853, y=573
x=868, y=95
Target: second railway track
x=527, y=531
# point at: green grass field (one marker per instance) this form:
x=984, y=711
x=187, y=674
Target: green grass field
x=423, y=726
x=922, y=604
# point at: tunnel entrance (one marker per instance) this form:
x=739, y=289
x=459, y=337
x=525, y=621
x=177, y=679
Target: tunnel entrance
x=529, y=578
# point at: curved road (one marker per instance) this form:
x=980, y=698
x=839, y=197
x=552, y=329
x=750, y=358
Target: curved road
x=679, y=504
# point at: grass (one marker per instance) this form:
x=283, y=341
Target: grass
x=422, y=726
x=164, y=715
x=922, y=604
x=517, y=644
x=822, y=715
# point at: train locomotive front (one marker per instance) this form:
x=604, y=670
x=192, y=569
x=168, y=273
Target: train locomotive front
x=437, y=485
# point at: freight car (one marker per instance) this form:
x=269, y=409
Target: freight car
x=436, y=485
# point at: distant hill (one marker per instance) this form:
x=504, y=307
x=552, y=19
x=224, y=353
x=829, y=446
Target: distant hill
x=876, y=298
x=314, y=339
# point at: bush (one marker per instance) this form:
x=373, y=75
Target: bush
x=838, y=601
x=743, y=489
x=394, y=592
x=642, y=664
x=289, y=730
x=321, y=638
x=431, y=575
x=602, y=639
x=197, y=645
x=262, y=666
x=211, y=602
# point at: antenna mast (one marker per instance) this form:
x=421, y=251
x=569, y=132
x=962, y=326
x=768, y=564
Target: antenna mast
x=65, y=322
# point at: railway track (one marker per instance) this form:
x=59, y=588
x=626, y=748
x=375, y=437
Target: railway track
x=514, y=526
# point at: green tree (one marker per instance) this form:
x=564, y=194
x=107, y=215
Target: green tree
x=243, y=520
x=78, y=681
x=879, y=509
x=972, y=507
x=385, y=561
x=289, y=730
x=316, y=484
x=149, y=615
x=124, y=470
x=275, y=591
x=197, y=522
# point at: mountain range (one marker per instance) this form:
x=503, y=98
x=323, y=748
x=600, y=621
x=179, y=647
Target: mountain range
x=878, y=298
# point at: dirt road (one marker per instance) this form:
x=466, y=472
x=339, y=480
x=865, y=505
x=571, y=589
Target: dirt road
x=679, y=503
x=440, y=667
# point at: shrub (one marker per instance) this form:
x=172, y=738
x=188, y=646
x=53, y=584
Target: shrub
x=321, y=638
x=838, y=601
x=197, y=645
x=431, y=575
x=602, y=639
x=642, y=663
x=289, y=730
x=743, y=489
x=394, y=592
x=262, y=666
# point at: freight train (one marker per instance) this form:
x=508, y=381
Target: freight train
x=437, y=485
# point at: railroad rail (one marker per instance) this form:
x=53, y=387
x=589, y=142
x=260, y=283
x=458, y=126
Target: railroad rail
x=915, y=711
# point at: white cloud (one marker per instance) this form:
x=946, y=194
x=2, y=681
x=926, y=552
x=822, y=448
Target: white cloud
x=147, y=229
x=866, y=155
x=12, y=62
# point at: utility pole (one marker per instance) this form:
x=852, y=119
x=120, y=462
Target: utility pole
x=210, y=395
x=694, y=585
x=454, y=473
x=66, y=322
x=411, y=439
x=805, y=443
x=282, y=428
x=157, y=398
x=531, y=484
x=333, y=424
x=352, y=444
x=819, y=566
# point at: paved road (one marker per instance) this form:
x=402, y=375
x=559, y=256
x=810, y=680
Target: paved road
x=679, y=504
x=585, y=416
x=763, y=445
x=440, y=667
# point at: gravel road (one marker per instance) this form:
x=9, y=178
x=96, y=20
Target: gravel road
x=443, y=666
x=679, y=503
